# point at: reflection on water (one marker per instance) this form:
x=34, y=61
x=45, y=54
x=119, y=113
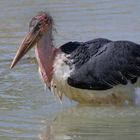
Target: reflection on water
x=25, y=108
x=100, y=123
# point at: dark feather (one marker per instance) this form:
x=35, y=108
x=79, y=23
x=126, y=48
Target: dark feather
x=103, y=64
x=70, y=47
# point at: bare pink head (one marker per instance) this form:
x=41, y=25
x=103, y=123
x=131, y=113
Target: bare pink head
x=39, y=25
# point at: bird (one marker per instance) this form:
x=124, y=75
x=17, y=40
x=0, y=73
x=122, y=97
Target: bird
x=98, y=72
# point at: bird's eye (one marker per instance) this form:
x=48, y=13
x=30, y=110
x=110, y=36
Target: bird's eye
x=39, y=24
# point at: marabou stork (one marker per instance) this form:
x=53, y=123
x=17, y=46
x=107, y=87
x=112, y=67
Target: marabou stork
x=99, y=71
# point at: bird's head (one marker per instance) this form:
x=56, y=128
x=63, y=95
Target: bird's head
x=38, y=26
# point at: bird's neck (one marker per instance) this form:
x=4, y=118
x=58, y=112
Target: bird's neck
x=45, y=54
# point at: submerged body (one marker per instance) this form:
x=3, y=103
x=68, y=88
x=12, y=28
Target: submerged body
x=99, y=71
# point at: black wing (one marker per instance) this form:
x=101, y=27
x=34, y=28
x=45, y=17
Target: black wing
x=114, y=63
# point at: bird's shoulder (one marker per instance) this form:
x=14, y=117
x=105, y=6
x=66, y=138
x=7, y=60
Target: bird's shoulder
x=69, y=47
x=86, y=50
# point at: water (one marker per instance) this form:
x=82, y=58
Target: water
x=99, y=123
x=27, y=112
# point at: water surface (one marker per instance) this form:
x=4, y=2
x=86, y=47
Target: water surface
x=27, y=112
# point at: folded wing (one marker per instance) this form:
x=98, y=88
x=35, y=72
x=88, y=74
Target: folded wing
x=103, y=67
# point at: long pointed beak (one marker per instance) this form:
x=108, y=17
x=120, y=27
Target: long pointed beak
x=28, y=42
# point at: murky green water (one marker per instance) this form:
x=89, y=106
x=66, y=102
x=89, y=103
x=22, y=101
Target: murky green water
x=27, y=112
